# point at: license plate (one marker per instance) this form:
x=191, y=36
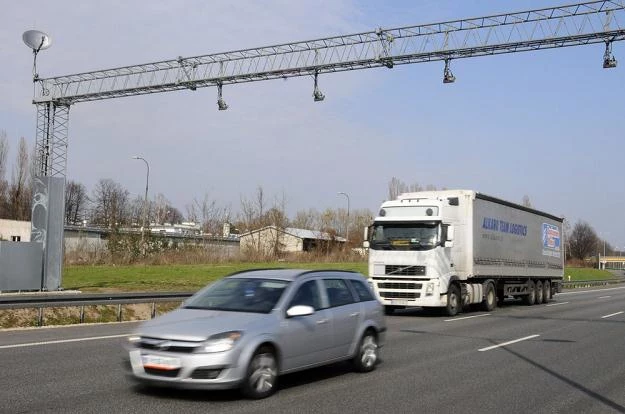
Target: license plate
x=399, y=302
x=160, y=362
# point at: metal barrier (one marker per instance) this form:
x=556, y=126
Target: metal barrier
x=41, y=301
x=590, y=283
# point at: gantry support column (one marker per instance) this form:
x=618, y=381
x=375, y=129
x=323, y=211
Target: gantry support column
x=48, y=207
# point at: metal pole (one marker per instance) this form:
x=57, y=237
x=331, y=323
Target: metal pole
x=145, y=201
x=347, y=221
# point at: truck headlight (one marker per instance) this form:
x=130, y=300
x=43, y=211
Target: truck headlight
x=429, y=289
x=221, y=342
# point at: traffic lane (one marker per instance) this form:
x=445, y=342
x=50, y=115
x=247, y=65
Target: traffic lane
x=56, y=333
x=330, y=389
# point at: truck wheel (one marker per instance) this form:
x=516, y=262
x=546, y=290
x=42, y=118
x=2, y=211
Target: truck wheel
x=539, y=292
x=546, y=291
x=490, y=298
x=530, y=298
x=389, y=310
x=453, y=301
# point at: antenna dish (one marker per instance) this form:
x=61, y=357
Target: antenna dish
x=36, y=40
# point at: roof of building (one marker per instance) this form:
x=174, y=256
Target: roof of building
x=301, y=233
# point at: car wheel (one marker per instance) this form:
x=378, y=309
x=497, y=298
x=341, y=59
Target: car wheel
x=262, y=374
x=368, y=353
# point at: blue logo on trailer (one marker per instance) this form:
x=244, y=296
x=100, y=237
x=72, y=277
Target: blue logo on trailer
x=551, y=237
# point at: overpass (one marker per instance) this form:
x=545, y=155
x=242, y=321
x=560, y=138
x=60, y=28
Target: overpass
x=612, y=262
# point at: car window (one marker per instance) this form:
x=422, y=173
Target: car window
x=363, y=292
x=239, y=295
x=307, y=294
x=338, y=292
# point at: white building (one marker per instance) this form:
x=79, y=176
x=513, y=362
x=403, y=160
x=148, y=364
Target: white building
x=271, y=239
x=13, y=230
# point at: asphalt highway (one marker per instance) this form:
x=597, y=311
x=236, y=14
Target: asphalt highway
x=567, y=356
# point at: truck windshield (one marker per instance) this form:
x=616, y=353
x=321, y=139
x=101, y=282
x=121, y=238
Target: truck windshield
x=404, y=235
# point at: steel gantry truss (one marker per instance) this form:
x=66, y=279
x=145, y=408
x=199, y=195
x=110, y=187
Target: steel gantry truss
x=570, y=25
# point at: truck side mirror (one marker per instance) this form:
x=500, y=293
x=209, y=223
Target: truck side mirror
x=450, y=233
x=365, y=244
x=366, y=234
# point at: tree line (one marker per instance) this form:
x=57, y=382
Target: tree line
x=110, y=205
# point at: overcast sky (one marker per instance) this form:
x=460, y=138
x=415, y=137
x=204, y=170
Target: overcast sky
x=546, y=124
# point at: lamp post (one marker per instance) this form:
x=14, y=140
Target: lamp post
x=347, y=221
x=145, y=201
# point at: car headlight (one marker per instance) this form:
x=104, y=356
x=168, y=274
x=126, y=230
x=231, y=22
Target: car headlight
x=133, y=339
x=221, y=342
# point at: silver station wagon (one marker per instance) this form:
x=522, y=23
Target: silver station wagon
x=250, y=327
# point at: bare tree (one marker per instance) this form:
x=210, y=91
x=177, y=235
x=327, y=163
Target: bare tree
x=76, y=200
x=20, y=191
x=359, y=220
x=583, y=240
x=209, y=214
x=397, y=186
x=110, y=204
x=305, y=219
x=526, y=201
x=4, y=185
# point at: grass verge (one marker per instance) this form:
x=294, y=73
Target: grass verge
x=172, y=277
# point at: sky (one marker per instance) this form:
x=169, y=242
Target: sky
x=546, y=124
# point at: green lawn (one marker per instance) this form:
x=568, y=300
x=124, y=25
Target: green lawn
x=583, y=273
x=193, y=277
x=171, y=278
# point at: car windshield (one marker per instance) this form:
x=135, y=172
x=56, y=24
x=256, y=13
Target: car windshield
x=404, y=235
x=239, y=295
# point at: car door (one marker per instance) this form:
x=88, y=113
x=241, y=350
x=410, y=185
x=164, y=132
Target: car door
x=345, y=313
x=306, y=340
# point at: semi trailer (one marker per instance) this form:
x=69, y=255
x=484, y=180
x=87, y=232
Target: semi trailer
x=455, y=248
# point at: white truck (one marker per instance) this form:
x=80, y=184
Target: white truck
x=450, y=249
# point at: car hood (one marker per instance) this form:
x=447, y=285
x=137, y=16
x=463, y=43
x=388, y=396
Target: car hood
x=198, y=325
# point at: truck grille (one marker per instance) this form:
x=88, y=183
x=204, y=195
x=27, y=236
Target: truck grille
x=404, y=270
x=390, y=285
x=400, y=295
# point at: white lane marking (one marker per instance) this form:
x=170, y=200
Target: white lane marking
x=612, y=314
x=467, y=317
x=508, y=343
x=604, y=297
x=557, y=304
x=61, y=341
x=588, y=291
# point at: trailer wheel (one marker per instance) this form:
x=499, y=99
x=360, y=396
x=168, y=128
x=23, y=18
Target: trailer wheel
x=530, y=298
x=539, y=292
x=546, y=291
x=490, y=298
x=453, y=301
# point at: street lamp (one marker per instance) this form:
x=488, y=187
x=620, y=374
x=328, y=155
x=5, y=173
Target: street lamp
x=347, y=225
x=145, y=202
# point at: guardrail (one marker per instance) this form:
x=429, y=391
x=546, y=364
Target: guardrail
x=41, y=301
x=590, y=283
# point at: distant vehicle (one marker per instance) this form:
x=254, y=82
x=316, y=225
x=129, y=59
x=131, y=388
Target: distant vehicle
x=247, y=329
x=450, y=249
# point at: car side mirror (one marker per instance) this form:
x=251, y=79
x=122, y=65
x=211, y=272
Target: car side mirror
x=300, y=310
